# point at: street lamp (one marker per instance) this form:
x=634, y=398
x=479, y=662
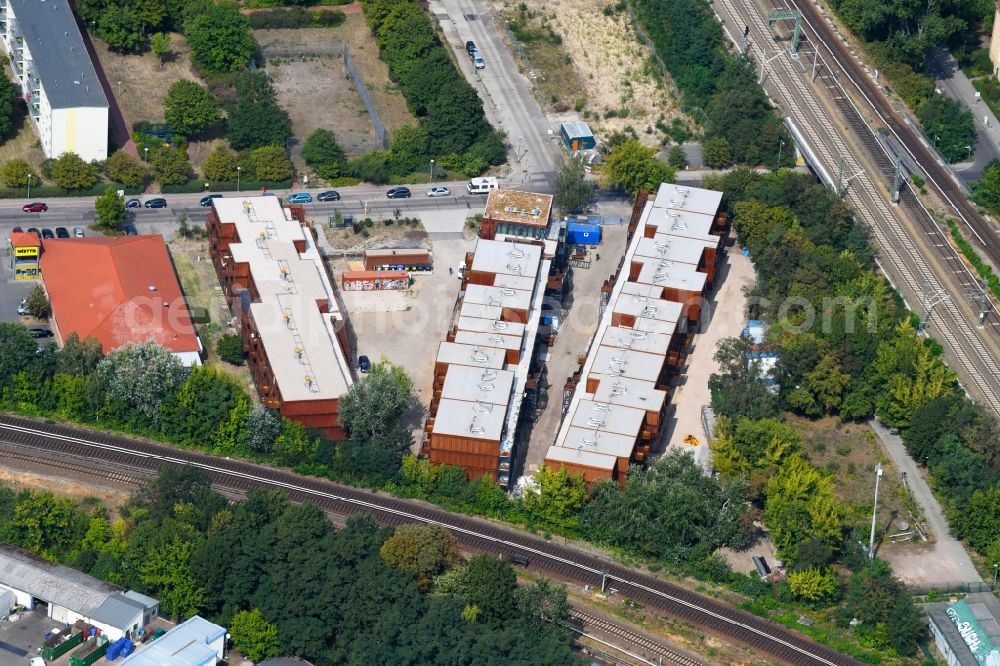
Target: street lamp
x=995, y=567
x=431, y=179
x=517, y=155
x=871, y=540
x=935, y=141
x=145, y=155
x=119, y=88
x=238, y=170
x=781, y=144
x=969, y=146
x=29, y=186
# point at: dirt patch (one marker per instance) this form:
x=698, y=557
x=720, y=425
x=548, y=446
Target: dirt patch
x=140, y=83
x=73, y=488
x=377, y=234
x=620, y=82
x=324, y=96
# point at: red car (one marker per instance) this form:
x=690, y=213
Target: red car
x=35, y=207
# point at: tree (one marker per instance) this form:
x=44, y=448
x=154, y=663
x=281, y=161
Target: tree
x=79, y=357
x=979, y=520
x=271, y=163
x=322, y=152
x=167, y=573
x=715, y=152
x=882, y=605
x=911, y=375
x=17, y=350
x=38, y=303
x=949, y=126
x=8, y=108
x=986, y=191
x=138, y=377
x=408, y=151
x=122, y=28
x=827, y=383
x=220, y=165
x=556, y=497
x=70, y=172
x=110, y=208
x=573, y=191
x=160, y=43
x=800, y=506
x=190, y=108
x=125, y=169
x=812, y=584
x=426, y=550
x=253, y=636
x=740, y=388
x=371, y=409
x=262, y=428
x=220, y=39
x=46, y=524
x=16, y=173
x=170, y=165
x=230, y=348
x=255, y=119
x=633, y=166
x=676, y=157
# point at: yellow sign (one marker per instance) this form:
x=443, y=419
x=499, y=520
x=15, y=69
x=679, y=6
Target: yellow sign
x=25, y=251
x=29, y=272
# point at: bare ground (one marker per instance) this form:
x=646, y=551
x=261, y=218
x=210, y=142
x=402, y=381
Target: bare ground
x=614, y=66
x=144, y=83
x=316, y=91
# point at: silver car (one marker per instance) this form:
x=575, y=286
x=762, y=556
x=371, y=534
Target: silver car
x=439, y=191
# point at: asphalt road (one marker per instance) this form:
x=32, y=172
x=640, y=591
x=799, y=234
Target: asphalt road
x=363, y=200
x=953, y=82
x=506, y=93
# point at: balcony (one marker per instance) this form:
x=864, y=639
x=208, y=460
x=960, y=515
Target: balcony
x=36, y=110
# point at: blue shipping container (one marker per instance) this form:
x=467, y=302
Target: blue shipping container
x=120, y=648
x=578, y=233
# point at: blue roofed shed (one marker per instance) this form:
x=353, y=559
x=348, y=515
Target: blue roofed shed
x=577, y=136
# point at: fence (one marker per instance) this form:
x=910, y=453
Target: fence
x=953, y=588
x=359, y=84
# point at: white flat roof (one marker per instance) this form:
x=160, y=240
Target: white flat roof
x=604, y=417
x=605, y=443
x=630, y=338
x=581, y=456
x=476, y=420
x=480, y=311
x=480, y=325
x=475, y=384
x=635, y=300
x=630, y=392
x=514, y=282
x=682, y=197
x=622, y=363
x=494, y=339
x=673, y=248
x=453, y=353
x=299, y=340
x=517, y=299
x=519, y=259
x=667, y=221
x=670, y=275
x=186, y=644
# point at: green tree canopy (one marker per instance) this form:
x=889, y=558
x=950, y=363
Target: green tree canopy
x=371, y=408
x=255, y=119
x=9, y=108
x=322, y=152
x=949, y=125
x=426, y=550
x=801, y=507
x=38, y=303
x=633, y=167
x=170, y=165
x=121, y=167
x=190, y=108
x=253, y=636
x=110, y=208
x=220, y=165
x=271, y=163
x=71, y=172
x=220, y=39
x=556, y=497
x=16, y=172
x=136, y=378
x=573, y=192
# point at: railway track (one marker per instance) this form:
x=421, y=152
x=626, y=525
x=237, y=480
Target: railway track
x=898, y=254
x=708, y=614
x=650, y=647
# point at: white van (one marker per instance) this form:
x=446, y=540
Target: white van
x=483, y=185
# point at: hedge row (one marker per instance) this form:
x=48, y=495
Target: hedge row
x=54, y=191
x=984, y=270
x=296, y=18
x=245, y=185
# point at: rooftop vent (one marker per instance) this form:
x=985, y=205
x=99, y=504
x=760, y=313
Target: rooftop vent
x=515, y=253
x=151, y=287
x=510, y=209
x=536, y=212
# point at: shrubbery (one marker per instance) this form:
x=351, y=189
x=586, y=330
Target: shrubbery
x=296, y=17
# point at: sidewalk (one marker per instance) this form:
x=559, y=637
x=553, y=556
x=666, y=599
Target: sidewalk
x=945, y=562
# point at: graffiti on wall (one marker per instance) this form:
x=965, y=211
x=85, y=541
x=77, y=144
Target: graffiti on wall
x=375, y=284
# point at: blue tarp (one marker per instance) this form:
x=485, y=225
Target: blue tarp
x=578, y=233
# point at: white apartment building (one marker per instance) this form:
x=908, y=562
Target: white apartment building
x=65, y=99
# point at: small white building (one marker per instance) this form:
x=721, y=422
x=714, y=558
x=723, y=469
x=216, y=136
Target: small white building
x=65, y=99
x=196, y=642
x=71, y=595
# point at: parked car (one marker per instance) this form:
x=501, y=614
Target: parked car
x=47, y=234
x=78, y=232
x=470, y=47
x=300, y=198
x=364, y=363
x=477, y=59
x=39, y=332
x=62, y=232
x=22, y=309
x=329, y=195
x=133, y=203
x=17, y=230
x=158, y=202
x=34, y=230
x=206, y=200
x=398, y=193
x=35, y=207
x=130, y=229
x=439, y=191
